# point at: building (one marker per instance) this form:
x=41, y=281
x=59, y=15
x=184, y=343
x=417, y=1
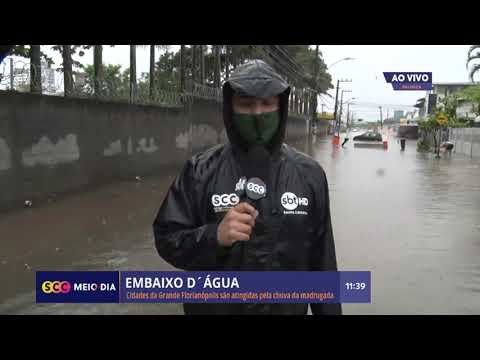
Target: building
x=22, y=77
x=397, y=115
x=439, y=91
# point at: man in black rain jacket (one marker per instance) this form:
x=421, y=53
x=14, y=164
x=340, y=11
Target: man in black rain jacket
x=204, y=224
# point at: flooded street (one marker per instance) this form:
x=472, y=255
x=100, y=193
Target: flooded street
x=410, y=219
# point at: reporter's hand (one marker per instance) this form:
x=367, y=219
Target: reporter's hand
x=237, y=224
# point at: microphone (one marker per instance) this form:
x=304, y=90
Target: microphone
x=252, y=187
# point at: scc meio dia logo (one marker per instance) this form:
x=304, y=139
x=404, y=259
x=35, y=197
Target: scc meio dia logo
x=56, y=287
x=77, y=286
x=64, y=287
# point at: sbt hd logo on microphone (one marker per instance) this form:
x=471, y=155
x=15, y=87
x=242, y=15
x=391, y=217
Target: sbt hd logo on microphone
x=77, y=286
x=291, y=202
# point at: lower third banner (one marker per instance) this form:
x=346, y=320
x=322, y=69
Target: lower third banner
x=211, y=287
x=246, y=287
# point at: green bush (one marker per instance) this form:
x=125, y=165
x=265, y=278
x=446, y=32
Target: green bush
x=423, y=145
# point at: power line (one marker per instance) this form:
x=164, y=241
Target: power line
x=285, y=65
x=296, y=65
x=281, y=64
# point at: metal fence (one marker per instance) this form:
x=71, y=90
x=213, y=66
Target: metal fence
x=20, y=76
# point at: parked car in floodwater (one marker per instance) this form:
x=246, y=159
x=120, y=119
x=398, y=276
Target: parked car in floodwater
x=370, y=136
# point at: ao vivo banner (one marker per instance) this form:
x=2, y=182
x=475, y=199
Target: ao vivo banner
x=212, y=287
x=409, y=80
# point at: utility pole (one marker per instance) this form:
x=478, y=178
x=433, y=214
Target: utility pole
x=336, y=101
x=381, y=118
x=348, y=114
x=335, y=113
x=341, y=107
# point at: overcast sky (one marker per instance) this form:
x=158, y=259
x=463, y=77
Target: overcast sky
x=368, y=86
x=446, y=62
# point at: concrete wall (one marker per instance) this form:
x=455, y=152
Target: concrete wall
x=297, y=128
x=51, y=145
x=466, y=141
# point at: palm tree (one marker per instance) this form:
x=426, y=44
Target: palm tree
x=133, y=73
x=234, y=56
x=182, y=68
x=98, y=67
x=216, y=66
x=67, y=70
x=202, y=64
x=194, y=63
x=476, y=56
x=35, y=70
x=227, y=64
x=151, y=75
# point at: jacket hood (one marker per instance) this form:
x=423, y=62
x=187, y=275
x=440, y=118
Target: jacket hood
x=258, y=79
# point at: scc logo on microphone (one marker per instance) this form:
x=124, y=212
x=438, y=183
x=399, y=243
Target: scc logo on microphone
x=225, y=200
x=256, y=188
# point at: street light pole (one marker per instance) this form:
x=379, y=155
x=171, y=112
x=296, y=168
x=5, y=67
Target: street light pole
x=336, y=62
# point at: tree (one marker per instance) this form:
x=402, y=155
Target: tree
x=472, y=94
x=432, y=127
x=68, y=64
x=227, y=61
x=183, y=61
x=449, y=105
x=202, y=64
x=98, y=67
x=35, y=70
x=133, y=73
x=151, y=77
x=67, y=70
x=217, y=66
x=470, y=57
x=115, y=84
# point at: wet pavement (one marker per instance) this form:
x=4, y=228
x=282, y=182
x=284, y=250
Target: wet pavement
x=410, y=219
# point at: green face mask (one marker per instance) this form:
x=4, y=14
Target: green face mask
x=257, y=129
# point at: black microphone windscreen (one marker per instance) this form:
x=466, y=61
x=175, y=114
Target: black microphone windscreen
x=258, y=158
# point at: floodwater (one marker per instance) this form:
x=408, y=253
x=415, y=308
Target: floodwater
x=410, y=219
